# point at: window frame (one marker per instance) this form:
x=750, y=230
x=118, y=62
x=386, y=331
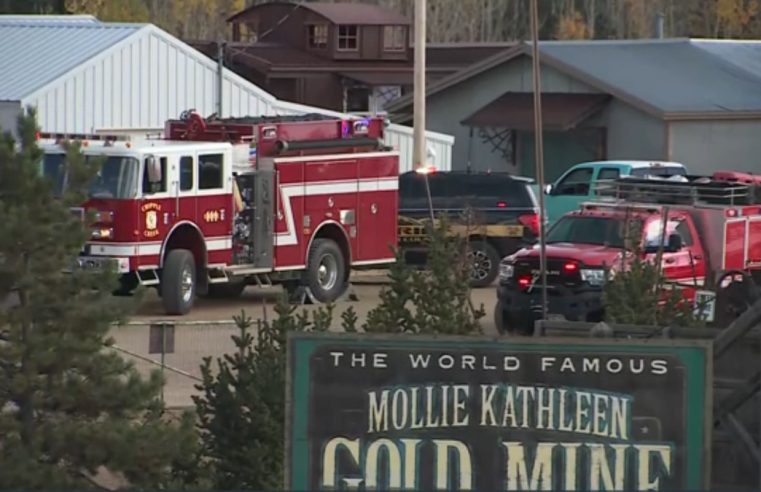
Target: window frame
x=192, y=173
x=315, y=39
x=394, y=37
x=347, y=37
x=221, y=170
x=564, y=182
x=163, y=186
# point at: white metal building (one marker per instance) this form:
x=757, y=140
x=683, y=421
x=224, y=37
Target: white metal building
x=85, y=76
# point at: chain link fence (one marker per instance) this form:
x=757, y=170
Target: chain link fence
x=176, y=348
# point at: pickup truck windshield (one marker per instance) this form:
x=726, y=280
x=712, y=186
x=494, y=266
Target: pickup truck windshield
x=603, y=231
x=117, y=177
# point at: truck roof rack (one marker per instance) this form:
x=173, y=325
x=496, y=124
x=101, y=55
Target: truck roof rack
x=721, y=188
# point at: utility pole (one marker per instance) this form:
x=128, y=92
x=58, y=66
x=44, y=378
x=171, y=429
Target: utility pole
x=419, y=156
x=539, y=150
x=418, y=136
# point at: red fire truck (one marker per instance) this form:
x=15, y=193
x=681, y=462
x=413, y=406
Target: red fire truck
x=218, y=204
x=710, y=249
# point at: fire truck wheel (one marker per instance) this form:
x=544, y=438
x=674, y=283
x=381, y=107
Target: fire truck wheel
x=326, y=270
x=485, y=262
x=178, y=282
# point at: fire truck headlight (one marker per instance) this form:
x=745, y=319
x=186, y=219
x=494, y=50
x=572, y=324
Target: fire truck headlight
x=594, y=276
x=103, y=233
x=506, y=271
x=104, y=217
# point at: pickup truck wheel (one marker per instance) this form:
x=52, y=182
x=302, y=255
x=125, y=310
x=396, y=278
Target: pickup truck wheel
x=178, y=282
x=500, y=320
x=484, y=259
x=326, y=270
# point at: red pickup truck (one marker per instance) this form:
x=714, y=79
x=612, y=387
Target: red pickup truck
x=711, y=248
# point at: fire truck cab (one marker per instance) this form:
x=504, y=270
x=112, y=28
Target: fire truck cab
x=220, y=204
x=710, y=249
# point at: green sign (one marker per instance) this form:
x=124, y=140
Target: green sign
x=417, y=413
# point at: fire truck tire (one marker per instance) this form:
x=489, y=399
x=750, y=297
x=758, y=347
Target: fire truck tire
x=178, y=282
x=326, y=270
x=485, y=260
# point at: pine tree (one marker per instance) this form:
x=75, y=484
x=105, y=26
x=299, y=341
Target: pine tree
x=71, y=406
x=241, y=408
x=638, y=293
x=433, y=300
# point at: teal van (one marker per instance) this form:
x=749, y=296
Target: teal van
x=576, y=185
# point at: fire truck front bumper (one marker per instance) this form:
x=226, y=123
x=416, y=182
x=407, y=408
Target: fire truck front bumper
x=120, y=265
x=518, y=309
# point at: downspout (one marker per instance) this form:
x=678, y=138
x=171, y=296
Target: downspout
x=667, y=133
x=220, y=75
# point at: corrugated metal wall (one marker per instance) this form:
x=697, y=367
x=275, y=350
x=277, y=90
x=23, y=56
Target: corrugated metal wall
x=151, y=77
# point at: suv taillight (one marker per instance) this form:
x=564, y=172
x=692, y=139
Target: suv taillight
x=531, y=221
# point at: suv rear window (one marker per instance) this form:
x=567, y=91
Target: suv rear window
x=454, y=190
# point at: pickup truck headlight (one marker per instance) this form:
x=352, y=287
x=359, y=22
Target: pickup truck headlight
x=506, y=271
x=593, y=276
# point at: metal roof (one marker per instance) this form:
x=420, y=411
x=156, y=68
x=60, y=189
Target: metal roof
x=515, y=110
x=37, y=51
x=666, y=77
x=36, y=18
x=672, y=76
x=338, y=13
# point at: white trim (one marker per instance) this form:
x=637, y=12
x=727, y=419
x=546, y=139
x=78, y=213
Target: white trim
x=289, y=191
x=219, y=244
x=335, y=157
x=373, y=262
x=147, y=267
x=287, y=268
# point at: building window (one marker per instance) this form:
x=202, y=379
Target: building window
x=393, y=38
x=348, y=38
x=318, y=35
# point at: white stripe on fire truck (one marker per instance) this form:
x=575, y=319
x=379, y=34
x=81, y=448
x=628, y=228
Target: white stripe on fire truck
x=152, y=248
x=289, y=191
x=336, y=157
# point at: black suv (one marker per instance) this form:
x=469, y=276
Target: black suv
x=504, y=215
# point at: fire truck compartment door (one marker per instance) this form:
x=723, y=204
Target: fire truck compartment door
x=263, y=217
x=734, y=244
x=754, y=242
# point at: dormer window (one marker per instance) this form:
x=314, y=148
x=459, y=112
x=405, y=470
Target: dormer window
x=318, y=35
x=348, y=39
x=394, y=38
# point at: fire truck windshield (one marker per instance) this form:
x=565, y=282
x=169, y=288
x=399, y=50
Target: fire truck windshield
x=116, y=179
x=603, y=231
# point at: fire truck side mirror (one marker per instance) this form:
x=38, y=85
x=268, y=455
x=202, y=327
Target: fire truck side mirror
x=153, y=168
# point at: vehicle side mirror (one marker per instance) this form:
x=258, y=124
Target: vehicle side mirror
x=153, y=168
x=675, y=243
x=548, y=189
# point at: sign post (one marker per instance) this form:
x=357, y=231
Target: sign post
x=433, y=413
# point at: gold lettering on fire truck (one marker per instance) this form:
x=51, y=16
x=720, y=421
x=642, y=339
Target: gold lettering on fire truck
x=151, y=210
x=212, y=216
